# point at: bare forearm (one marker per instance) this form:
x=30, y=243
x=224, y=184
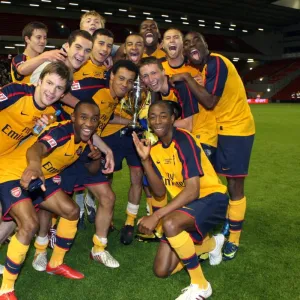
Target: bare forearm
x=70, y=100
x=202, y=95
x=186, y=123
x=35, y=153
x=30, y=65
x=97, y=141
x=155, y=182
x=119, y=120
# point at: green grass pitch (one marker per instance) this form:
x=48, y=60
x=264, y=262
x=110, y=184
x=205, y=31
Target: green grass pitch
x=267, y=265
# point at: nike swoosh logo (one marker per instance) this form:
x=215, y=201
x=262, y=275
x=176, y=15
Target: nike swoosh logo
x=23, y=114
x=68, y=154
x=225, y=169
x=85, y=74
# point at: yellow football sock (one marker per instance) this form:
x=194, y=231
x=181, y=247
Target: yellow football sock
x=149, y=204
x=131, y=211
x=178, y=268
x=236, y=215
x=208, y=244
x=99, y=244
x=158, y=203
x=65, y=234
x=41, y=244
x=16, y=253
x=184, y=247
x=130, y=219
x=53, y=220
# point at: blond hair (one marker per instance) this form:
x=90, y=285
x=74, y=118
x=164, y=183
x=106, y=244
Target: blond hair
x=93, y=13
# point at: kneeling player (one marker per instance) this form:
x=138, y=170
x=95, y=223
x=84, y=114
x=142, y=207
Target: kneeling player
x=43, y=157
x=173, y=163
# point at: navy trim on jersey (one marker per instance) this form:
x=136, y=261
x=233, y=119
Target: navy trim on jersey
x=56, y=136
x=216, y=75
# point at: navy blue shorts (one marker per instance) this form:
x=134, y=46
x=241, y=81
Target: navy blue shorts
x=208, y=212
x=77, y=177
x=12, y=193
x=210, y=152
x=122, y=147
x=233, y=155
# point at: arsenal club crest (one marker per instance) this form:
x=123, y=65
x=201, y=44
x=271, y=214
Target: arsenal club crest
x=16, y=192
x=57, y=179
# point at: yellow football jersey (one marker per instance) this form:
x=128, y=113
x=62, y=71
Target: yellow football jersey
x=87, y=81
x=107, y=105
x=184, y=159
x=89, y=69
x=205, y=127
x=183, y=68
x=204, y=123
x=18, y=114
x=61, y=146
x=233, y=114
x=158, y=53
x=15, y=63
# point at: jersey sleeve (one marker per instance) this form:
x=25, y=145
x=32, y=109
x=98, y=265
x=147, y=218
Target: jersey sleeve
x=11, y=93
x=216, y=76
x=186, y=99
x=16, y=62
x=189, y=155
x=54, y=137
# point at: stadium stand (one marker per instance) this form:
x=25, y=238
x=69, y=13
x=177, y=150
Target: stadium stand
x=287, y=92
x=266, y=70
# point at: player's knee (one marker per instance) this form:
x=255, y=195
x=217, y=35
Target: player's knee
x=107, y=200
x=71, y=212
x=136, y=176
x=160, y=272
x=29, y=228
x=170, y=226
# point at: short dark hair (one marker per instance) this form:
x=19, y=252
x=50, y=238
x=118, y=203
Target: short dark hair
x=173, y=107
x=134, y=34
x=127, y=64
x=148, y=21
x=74, y=34
x=151, y=60
x=102, y=31
x=61, y=70
x=30, y=27
x=199, y=33
x=85, y=101
x=174, y=28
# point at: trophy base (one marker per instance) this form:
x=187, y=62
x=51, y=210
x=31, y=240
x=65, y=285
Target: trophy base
x=138, y=129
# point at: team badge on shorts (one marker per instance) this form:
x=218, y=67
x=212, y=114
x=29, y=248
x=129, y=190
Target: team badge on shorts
x=79, y=150
x=57, y=179
x=16, y=192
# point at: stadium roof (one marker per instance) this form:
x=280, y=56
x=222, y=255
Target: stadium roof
x=245, y=14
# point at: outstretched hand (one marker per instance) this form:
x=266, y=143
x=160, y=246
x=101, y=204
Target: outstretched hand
x=30, y=173
x=142, y=146
x=95, y=152
x=179, y=77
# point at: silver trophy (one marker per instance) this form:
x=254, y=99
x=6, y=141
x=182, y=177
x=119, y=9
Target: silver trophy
x=133, y=104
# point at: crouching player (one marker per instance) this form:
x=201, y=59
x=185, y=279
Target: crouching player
x=199, y=200
x=44, y=157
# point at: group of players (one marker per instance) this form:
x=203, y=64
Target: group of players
x=197, y=124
